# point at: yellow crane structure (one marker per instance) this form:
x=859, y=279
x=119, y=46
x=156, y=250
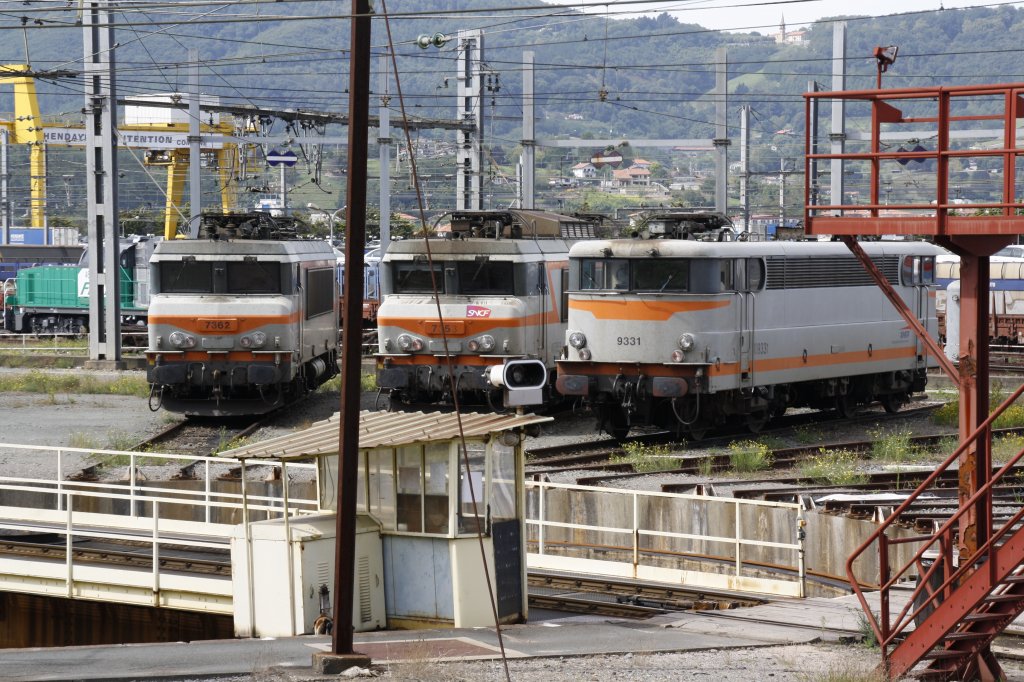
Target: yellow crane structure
x=28, y=128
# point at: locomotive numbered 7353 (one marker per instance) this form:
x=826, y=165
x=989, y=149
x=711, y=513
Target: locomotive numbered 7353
x=690, y=334
x=242, y=321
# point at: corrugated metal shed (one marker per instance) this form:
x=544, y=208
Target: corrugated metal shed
x=383, y=429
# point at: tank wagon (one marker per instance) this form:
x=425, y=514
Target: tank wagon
x=1005, y=299
x=55, y=298
x=242, y=320
x=498, y=319
x=689, y=334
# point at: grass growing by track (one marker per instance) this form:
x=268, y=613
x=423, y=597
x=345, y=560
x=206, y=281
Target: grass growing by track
x=367, y=382
x=748, y=456
x=1012, y=417
x=895, y=447
x=44, y=382
x=645, y=458
x=832, y=467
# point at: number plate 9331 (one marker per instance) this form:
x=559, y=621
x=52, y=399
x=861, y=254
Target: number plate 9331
x=627, y=340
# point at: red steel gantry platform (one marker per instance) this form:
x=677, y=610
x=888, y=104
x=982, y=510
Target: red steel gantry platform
x=968, y=571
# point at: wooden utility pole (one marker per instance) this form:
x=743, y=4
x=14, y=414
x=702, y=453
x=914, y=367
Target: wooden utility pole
x=342, y=656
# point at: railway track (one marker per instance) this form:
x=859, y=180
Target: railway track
x=199, y=435
x=602, y=455
x=782, y=458
x=643, y=594
x=118, y=553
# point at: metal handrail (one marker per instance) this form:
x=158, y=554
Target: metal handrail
x=889, y=630
x=134, y=490
x=737, y=540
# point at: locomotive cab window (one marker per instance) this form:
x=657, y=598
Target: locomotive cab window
x=754, y=274
x=918, y=270
x=186, y=277
x=604, y=273
x=483, y=276
x=662, y=275
x=320, y=292
x=414, y=278
x=253, y=277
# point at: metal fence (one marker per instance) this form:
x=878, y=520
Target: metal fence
x=714, y=542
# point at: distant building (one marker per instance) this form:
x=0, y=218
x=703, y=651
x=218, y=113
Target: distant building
x=784, y=37
x=631, y=177
x=642, y=163
x=584, y=170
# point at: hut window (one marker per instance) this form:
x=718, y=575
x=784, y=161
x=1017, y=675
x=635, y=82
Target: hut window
x=471, y=486
x=381, y=484
x=435, y=478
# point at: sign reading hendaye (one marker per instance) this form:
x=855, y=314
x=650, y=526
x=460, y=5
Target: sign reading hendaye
x=127, y=138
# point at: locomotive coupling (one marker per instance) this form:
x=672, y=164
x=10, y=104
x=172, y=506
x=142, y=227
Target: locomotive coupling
x=523, y=381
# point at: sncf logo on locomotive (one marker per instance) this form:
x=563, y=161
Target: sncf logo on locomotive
x=477, y=311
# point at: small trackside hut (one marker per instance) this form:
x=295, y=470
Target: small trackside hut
x=418, y=526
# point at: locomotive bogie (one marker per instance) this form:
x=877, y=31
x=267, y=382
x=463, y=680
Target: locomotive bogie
x=241, y=327
x=714, y=332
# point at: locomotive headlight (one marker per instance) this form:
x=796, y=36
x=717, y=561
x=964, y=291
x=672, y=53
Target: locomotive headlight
x=483, y=344
x=585, y=354
x=686, y=342
x=254, y=340
x=677, y=356
x=182, y=340
x=408, y=343
x=577, y=340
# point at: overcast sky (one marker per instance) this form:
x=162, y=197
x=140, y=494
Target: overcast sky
x=732, y=15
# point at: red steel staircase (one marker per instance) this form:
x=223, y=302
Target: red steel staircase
x=958, y=609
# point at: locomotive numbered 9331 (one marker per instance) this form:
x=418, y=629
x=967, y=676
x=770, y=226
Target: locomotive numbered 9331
x=690, y=334
x=241, y=321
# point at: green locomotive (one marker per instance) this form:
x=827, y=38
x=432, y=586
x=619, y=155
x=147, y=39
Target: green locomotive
x=51, y=299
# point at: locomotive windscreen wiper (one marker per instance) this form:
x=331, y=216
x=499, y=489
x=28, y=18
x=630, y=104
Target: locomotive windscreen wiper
x=667, y=282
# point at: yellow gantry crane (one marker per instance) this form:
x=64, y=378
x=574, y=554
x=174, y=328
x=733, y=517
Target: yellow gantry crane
x=27, y=128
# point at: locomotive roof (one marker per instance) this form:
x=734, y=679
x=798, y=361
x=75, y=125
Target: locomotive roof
x=523, y=224
x=243, y=247
x=642, y=248
x=408, y=249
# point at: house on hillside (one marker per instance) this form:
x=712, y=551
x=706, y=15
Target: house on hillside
x=584, y=170
x=631, y=177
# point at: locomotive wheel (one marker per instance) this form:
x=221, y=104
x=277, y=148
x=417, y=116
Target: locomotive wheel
x=846, y=406
x=892, y=402
x=613, y=420
x=697, y=431
x=756, y=421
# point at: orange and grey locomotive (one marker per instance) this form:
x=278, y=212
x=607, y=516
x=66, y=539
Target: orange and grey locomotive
x=242, y=320
x=498, y=319
x=690, y=335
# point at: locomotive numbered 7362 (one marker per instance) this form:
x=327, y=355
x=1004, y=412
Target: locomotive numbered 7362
x=690, y=334
x=241, y=321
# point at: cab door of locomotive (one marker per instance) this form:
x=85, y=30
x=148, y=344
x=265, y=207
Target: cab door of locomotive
x=919, y=276
x=742, y=279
